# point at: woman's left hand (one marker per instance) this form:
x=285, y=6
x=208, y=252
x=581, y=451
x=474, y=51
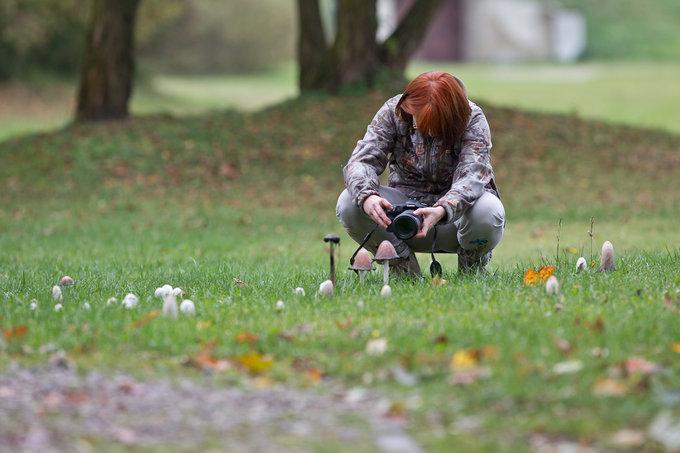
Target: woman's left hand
x=431, y=216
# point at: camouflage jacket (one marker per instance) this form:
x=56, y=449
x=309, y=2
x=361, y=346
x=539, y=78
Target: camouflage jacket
x=418, y=165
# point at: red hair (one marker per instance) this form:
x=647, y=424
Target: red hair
x=439, y=101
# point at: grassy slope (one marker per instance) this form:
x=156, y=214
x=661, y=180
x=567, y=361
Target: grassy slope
x=196, y=202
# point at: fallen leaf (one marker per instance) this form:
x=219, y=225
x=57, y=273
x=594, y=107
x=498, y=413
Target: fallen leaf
x=314, y=375
x=144, y=319
x=247, y=337
x=343, y=324
x=463, y=359
x=563, y=345
x=640, y=365
x=595, y=326
x=609, y=387
x=533, y=278
x=240, y=283
x=201, y=325
x=675, y=347
x=442, y=339
x=628, y=438
x=16, y=332
x=437, y=281
x=568, y=367
x=205, y=360
x=255, y=363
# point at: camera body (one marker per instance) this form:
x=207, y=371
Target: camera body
x=405, y=224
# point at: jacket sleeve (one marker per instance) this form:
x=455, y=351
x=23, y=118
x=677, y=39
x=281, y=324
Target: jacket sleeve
x=473, y=171
x=369, y=158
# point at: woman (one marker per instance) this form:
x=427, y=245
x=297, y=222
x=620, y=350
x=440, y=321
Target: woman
x=436, y=144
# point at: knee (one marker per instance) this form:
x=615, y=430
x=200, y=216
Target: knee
x=484, y=224
x=345, y=209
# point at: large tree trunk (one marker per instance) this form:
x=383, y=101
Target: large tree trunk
x=355, y=57
x=355, y=49
x=108, y=64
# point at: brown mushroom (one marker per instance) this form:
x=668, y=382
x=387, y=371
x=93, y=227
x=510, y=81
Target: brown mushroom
x=333, y=239
x=384, y=255
x=362, y=264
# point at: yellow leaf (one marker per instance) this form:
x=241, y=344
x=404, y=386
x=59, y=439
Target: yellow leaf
x=200, y=325
x=463, y=359
x=254, y=362
x=572, y=250
x=609, y=387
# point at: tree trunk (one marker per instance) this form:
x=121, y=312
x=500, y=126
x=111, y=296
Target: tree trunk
x=312, y=48
x=355, y=57
x=396, y=51
x=355, y=49
x=108, y=64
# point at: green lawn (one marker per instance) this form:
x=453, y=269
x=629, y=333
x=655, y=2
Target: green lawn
x=232, y=208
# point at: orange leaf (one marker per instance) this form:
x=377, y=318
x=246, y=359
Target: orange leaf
x=247, y=337
x=314, y=375
x=343, y=324
x=16, y=332
x=144, y=319
x=533, y=278
x=204, y=359
x=676, y=347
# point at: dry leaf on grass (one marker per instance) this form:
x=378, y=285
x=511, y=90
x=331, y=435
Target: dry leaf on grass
x=16, y=332
x=144, y=319
x=534, y=278
x=609, y=387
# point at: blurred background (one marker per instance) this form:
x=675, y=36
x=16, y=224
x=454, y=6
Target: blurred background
x=615, y=60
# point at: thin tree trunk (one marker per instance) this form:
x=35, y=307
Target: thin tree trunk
x=396, y=51
x=108, y=64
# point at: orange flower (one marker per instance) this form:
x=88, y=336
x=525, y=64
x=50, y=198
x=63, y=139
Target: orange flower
x=533, y=278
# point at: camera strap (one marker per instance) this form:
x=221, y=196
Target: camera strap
x=435, y=266
x=366, y=238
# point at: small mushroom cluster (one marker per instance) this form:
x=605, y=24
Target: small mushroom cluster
x=384, y=255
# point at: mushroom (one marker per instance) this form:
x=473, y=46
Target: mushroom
x=56, y=293
x=386, y=291
x=66, y=281
x=552, y=286
x=170, y=305
x=333, y=239
x=187, y=307
x=362, y=264
x=326, y=288
x=581, y=265
x=384, y=255
x=607, y=259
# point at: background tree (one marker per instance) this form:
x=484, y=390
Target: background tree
x=355, y=56
x=108, y=64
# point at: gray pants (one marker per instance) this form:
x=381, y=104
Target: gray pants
x=478, y=230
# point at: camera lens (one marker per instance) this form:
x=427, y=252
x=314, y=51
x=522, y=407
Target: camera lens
x=405, y=225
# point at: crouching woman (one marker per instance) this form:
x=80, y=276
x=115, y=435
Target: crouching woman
x=436, y=145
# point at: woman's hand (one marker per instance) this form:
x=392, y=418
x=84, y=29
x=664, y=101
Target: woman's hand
x=431, y=216
x=375, y=207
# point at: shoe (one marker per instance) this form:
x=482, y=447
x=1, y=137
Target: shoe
x=405, y=267
x=471, y=262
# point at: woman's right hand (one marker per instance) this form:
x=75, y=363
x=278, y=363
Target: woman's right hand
x=375, y=207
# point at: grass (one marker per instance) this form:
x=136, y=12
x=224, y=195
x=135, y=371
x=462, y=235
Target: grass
x=487, y=363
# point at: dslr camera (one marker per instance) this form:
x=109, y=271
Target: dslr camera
x=405, y=224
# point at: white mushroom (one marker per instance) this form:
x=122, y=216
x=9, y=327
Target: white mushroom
x=187, y=307
x=607, y=258
x=86, y=306
x=58, y=307
x=280, y=305
x=299, y=291
x=581, y=265
x=110, y=301
x=56, y=293
x=326, y=288
x=163, y=291
x=386, y=291
x=552, y=286
x=130, y=301
x=384, y=255
x=170, y=305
